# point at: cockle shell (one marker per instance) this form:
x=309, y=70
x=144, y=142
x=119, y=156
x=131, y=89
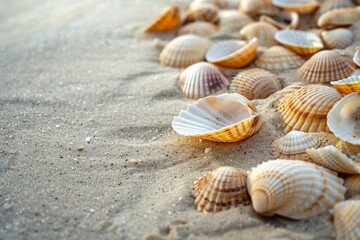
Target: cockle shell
x=293, y=188
x=326, y=66
x=356, y=57
x=347, y=220
x=222, y=118
x=255, y=83
x=201, y=80
x=232, y=20
x=220, y=189
x=299, y=6
x=292, y=87
x=279, y=58
x=352, y=184
x=207, y=12
x=338, y=17
x=264, y=32
x=344, y=118
x=337, y=38
x=184, y=50
x=303, y=43
x=306, y=109
x=349, y=149
x=294, y=144
x=199, y=28
x=232, y=53
x=328, y=5
x=258, y=7
x=347, y=85
x=289, y=20
x=167, y=20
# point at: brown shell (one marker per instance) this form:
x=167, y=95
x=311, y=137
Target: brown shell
x=167, y=20
x=263, y=31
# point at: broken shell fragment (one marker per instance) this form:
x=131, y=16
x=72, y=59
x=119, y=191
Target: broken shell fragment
x=347, y=220
x=167, y=20
x=284, y=20
x=347, y=85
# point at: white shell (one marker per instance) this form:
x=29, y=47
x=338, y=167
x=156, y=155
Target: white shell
x=338, y=38
x=347, y=220
x=232, y=20
x=264, y=32
x=199, y=28
x=300, y=6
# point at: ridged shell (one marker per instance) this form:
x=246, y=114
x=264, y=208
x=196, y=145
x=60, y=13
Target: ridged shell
x=201, y=80
x=199, y=28
x=166, y=21
x=347, y=85
x=338, y=17
x=293, y=87
x=232, y=20
x=220, y=189
x=303, y=43
x=344, y=119
x=338, y=38
x=299, y=6
x=326, y=66
x=328, y=5
x=352, y=184
x=255, y=83
x=294, y=144
x=258, y=7
x=349, y=149
x=306, y=109
x=279, y=58
x=293, y=188
x=207, y=12
x=264, y=32
x=232, y=53
x=347, y=220
x=184, y=51
x=356, y=57
x=267, y=8
x=222, y=118
x=285, y=20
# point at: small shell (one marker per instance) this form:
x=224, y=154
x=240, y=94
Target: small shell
x=263, y=31
x=356, y=57
x=347, y=220
x=285, y=20
x=207, y=12
x=258, y=7
x=303, y=43
x=220, y=189
x=299, y=6
x=347, y=85
x=232, y=53
x=167, y=20
x=279, y=58
x=306, y=109
x=199, y=28
x=293, y=188
x=255, y=83
x=344, y=119
x=337, y=38
x=325, y=66
x=328, y=5
x=352, y=184
x=349, y=149
x=267, y=8
x=338, y=17
x=222, y=118
x=184, y=51
x=201, y=80
x=232, y=20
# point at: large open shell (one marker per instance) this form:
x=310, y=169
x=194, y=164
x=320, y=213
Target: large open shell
x=352, y=184
x=198, y=11
x=299, y=6
x=337, y=38
x=289, y=20
x=347, y=85
x=338, y=18
x=232, y=20
x=293, y=188
x=356, y=57
x=306, y=109
x=264, y=32
x=220, y=189
x=201, y=80
x=223, y=118
x=167, y=20
x=199, y=28
x=347, y=220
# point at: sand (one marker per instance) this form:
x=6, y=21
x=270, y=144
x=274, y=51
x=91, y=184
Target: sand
x=86, y=146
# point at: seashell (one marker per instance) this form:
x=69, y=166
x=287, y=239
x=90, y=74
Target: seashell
x=267, y=8
x=167, y=20
x=328, y=5
x=159, y=43
x=356, y=57
x=303, y=43
x=299, y=6
x=201, y=80
x=289, y=20
x=279, y=58
x=338, y=18
x=332, y=158
x=294, y=144
x=220, y=189
x=337, y=38
x=306, y=109
x=293, y=188
x=264, y=32
x=352, y=184
x=347, y=220
x=343, y=119
x=258, y=7
x=293, y=87
x=199, y=28
x=184, y=50
x=349, y=149
x=207, y=12
x=325, y=66
x=233, y=20
x=255, y=83
x=222, y=118
x=347, y=85
x=232, y=53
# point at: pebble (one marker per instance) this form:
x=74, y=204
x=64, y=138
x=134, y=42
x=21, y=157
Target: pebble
x=88, y=139
x=207, y=150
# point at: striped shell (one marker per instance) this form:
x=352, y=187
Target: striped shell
x=167, y=20
x=279, y=58
x=201, y=80
x=338, y=18
x=255, y=83
x=293, y=188
x=264, y=32
x=347, y=85
x=292, y=87
x=220, y=189
x=299, y=6
x=285, y=20
x=232, y=53
x=325, y=66
x=222, y=118
x=232, y=20
x=347, y=220
x=356, y=57
x=184, y=51
x=306, y=109
x=199, y=28
x=352, y=184
x=267, y=8
x=303, y=43
x=328, y=5
x=349, y=149
x=207, y=12
x=337, y=38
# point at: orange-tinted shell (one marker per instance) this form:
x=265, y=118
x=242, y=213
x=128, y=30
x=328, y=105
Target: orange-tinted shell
x=167, y=20
x=347, y=85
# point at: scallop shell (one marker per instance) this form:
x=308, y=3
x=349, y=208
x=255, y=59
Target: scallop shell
x=263, y=31
x=222, y=118
x=293, y=188
x=255, y=83
x=184, y=50
x=220, y=189
x=337, y=38
x=338, y=17
x=299, y=6
x=344, y=119
x=289, y=20
x=349, y=149
x=303, y=43
x=199, y=28
x=167, y=20
x=279, y=58
x=347, y=220
x=232, y=20
x=356, y=57
x=232, y=53
x=326, y=66
x=207, y=12
x=328, y=5
x=201, y=80
x=306, y=109
x=352, y=184
x=347, y=85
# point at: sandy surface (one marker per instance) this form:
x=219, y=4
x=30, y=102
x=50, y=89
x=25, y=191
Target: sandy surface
x=74, y=70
